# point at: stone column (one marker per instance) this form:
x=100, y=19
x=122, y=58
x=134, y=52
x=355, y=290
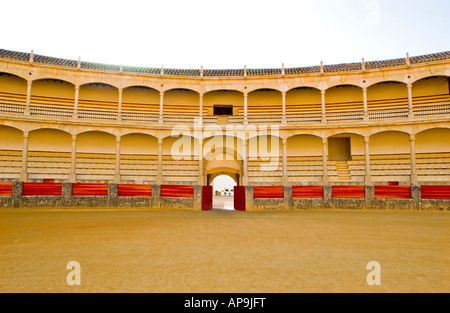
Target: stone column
x=113, y=194
x=73, y=162
x=285, y=180
x=369, y=195
x=288, y=198
x=24, y=172
x=161, y=107
x=283, y=99
x=366, y=114
x=249, y=198
x=198, y=194
x=245, y=109
x=28, y=104
x=325, y=180
x=119, y=106
x=66, y=194
x=368, y=176
x=117, y=168
x=324, y=116
x=410, y=102
x=159, y=178
x=17, y=193
x=244, y=163
x=200, y=108
x=416, y=196
x=156, y=196
x=77, y=99
x=200, y=162
x=414, y=178
x=327, y=196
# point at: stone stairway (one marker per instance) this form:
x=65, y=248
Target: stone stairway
x=343, y=171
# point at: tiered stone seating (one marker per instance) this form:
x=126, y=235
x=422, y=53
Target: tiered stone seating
x=95, y=167
x=433, y=168
x=139, y=169
x=183, y=171
x=304, y=170
x=265, y=171
x=390, y=167
x=51, y=106
x=48, y=165
x=10, y=165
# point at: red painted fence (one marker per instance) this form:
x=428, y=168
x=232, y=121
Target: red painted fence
x=264, y=192
x=393, y=192
x=435, y=192
x=207, y=198
x=42, y=189
x=80, y=189
x=299, y=192
x=134, y=190
x=6, y=189
x=179, y=191
x=348, y=192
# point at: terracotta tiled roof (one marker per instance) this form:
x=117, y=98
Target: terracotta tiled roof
x=22, y=56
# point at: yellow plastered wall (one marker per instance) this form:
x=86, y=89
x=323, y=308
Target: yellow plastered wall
x=304, y=96
x=431, y=86
x=12, y=84
x=388, y=90
x=433, y=141
x=265, y=146
x=227, y=145
x=139, y=144
x=264, y=97
x=224, y=97
x=53, y=88
x=10, y=138
x=304, y=145
x=341, y=94
x=140, y=95
x=389, y=143
x=183, y=145
x=99, y=92
x=96, y=142
x=181, y=97
x=49, y=140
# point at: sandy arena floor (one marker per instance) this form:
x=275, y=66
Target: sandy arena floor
x=223, y=251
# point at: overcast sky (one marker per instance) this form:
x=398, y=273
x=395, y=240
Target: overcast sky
x=226, y=34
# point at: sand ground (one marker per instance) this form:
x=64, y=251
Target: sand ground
x=130, y=250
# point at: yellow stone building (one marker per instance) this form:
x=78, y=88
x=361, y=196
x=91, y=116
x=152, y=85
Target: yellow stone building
x=375, y=122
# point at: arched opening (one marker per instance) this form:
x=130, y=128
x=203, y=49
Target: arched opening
x=387, y=100
x=264, y=104
x=344, y=102
x=431, y=95
x=11, y=147
x=223, y=192
x=140, y=103
x=227, y=105
x=303, y=104
x=13, y=93
x=98, y=101
x=180, y=104
x=52, y=97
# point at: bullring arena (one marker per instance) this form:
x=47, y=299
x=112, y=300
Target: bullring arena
x=366, y=135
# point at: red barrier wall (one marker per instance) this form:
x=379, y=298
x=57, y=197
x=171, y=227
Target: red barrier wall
x=435, y=192
x=299, y=192
x=392, y=192
x=80, y=189
x=264, y=192
x=134, y=190
x=6, y=189
x=348, y=192
x=179, y=191
x=42, y=189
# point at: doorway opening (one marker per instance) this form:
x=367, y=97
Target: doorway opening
x=223, y=192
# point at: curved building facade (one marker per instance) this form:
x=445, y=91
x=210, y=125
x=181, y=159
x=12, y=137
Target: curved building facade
x=365, y=123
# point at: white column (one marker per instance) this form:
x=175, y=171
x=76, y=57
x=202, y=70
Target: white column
x=285, y=180
x=410, y=103
x=73, y=163
x=24, y=172
x=119, y=107
x=159, y=178
x=368, y=177
x=161, y=107
x=117, y=169
x=77, y=98
x=283, y=101
x=366, y=115
x=28, y=104
x=325, y=180
x=200, y=163
x=245, y=109
x=324, y=118
x=414, y=178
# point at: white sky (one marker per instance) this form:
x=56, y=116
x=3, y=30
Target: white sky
x=226, y=34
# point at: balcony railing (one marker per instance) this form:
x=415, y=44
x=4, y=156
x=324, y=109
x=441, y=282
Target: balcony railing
x=11, y=108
